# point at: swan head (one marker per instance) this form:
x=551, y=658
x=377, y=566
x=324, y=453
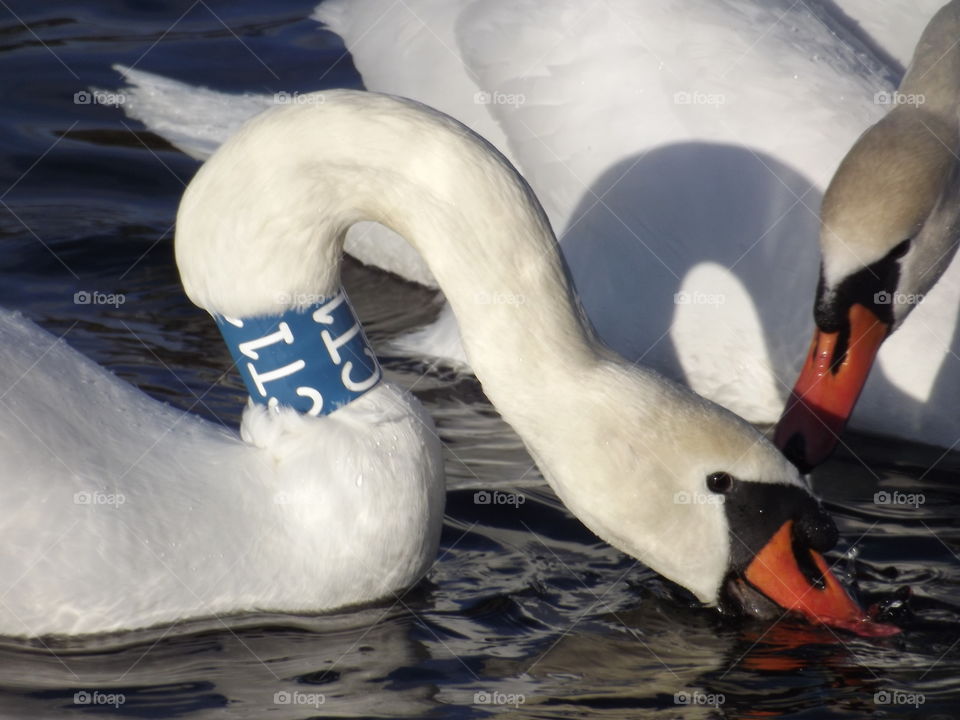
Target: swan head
x=888, y=230
x=698, y=495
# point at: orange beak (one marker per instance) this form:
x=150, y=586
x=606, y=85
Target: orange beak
x=816, y=594
x=828, y=387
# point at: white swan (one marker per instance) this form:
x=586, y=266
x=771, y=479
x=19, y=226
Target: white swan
x=679, y=148
x=690, y=489
x=890, y=228
x=122, y=512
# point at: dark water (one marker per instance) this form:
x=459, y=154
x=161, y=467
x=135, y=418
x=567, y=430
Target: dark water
x=524, y=606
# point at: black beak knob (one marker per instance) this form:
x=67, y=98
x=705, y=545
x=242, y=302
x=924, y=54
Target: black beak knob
x=815, y=529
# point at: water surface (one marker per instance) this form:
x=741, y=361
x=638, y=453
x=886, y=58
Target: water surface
x=525, y=611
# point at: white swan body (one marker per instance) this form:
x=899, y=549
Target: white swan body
x=121, y=512
x=679, y=148
x=618, y=443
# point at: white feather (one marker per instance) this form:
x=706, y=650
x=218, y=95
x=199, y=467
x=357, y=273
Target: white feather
x=616, y=442
x=643, y=189
x=123, y=512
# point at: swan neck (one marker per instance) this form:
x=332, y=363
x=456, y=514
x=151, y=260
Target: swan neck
x=265, y=218
x=314, y=360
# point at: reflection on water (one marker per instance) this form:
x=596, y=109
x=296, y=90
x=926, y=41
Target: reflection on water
x=337, y=665
x=525, y=610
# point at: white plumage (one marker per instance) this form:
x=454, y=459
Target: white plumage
x=121, y=512
x=680, y=150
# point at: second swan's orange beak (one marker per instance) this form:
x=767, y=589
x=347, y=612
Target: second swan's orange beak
x=812, y=590
x=833, y=375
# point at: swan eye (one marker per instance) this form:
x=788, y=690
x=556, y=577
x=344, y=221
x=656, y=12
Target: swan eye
x=720, y=482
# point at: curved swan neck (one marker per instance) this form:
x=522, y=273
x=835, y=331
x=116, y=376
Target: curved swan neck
x=264, y=219
x=314, y=361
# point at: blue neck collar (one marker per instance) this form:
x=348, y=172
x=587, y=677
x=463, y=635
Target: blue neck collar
x=314, y=360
